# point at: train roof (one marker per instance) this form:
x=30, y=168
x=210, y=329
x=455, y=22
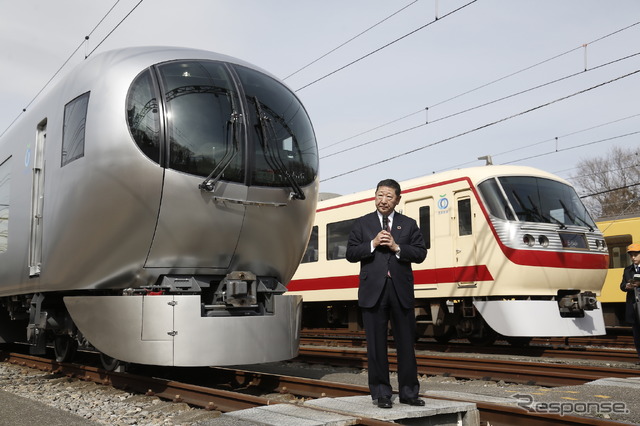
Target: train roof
x=475, y=174
x=120, y=66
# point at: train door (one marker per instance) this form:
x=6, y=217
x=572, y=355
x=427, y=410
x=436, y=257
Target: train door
x=37, y=200
x=423, y=211
x=465, y=256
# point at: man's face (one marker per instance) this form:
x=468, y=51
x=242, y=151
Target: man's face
x=386, y=200
x=635, y=257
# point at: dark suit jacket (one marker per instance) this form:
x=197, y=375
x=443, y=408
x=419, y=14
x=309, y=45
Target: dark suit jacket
x=627, y=274
x=374, y=266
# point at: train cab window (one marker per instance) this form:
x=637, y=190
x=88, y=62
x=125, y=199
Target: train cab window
x=424, y=219
x=464, y=217
x=495, y=201
x=311, y=254
x=617, y=245
x=73, y=130
x=337, y=238
x=283, y=138
x=202, y=119
x=143, y=116
x=5, y=192
x=544, y=200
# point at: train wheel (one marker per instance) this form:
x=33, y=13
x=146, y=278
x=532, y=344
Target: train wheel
x=65, y=348
x=111, y=364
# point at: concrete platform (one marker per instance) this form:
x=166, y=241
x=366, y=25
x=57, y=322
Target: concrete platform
x=346, y=411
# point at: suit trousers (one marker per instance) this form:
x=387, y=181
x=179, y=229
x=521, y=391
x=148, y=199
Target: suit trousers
x=403, y=325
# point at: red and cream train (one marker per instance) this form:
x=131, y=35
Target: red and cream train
x=511, y=251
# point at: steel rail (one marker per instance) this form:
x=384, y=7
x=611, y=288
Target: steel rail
x=581, y=352
x=221, y=400
x=543, y=374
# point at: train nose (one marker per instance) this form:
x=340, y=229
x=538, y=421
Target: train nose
x=193, y=230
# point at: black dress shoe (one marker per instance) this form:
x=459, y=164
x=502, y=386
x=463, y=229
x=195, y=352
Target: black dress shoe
x=384, y=402
x=417, y=402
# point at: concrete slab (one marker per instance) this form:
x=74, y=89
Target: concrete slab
x=289, y=414
x=435, y=412
x=473, y=397
x=629, y=382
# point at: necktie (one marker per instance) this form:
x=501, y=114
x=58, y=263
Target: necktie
x=385, y=227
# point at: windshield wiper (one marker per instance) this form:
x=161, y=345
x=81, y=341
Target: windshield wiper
x=209, y=184
x=273, y=159
x=573, y=218
x=549, y=219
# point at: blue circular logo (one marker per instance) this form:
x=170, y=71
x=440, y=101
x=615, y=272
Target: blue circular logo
x=443, y=203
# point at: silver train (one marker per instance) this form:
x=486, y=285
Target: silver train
x=153, y=206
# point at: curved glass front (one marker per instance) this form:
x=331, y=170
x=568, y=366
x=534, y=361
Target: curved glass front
x=217, y=118
x=534, y=199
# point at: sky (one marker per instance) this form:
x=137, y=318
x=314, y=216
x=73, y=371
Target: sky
x=395, y=89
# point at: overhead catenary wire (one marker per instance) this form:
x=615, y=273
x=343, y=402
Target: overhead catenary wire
x=527, y=68
x=574, y=147
x=484, y=126
x=386, y=45
x=350, y=40
x=478, y=106
x=64, y=64
x=555, y=138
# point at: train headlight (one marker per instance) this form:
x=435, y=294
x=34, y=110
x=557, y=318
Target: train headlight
x=543, y=241
x=528, y=240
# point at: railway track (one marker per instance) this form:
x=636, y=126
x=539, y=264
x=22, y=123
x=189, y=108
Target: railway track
x=530, y=373
x=610, y=348
x=548, y=351
x=249, y=382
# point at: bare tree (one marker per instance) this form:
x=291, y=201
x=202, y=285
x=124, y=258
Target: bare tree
x=610, y=185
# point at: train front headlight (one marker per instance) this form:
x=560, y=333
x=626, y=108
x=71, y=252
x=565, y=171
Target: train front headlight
x=528, y=240
x=543, y=241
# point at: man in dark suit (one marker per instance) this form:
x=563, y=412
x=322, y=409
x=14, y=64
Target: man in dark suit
x=630, y=285
x=386, y=291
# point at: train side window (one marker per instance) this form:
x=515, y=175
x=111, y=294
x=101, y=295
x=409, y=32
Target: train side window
x=143, y=116
x=75, y=120
x=617, y=245
x=5, y=192
x=424, y=214
x=337, y=238
x=311, y=254
x=464, y=217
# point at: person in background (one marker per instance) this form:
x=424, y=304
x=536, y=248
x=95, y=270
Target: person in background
x=385, y=243
x=630, y=285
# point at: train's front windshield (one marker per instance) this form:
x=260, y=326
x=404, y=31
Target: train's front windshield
x=222, y=119
x=533, y=199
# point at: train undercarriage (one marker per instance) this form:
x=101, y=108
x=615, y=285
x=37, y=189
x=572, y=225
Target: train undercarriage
x=183, y=320
x=474, y=319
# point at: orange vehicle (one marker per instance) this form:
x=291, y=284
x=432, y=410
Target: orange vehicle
x=618, y=233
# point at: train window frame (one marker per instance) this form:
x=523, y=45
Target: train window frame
x=149, y=136
x=424, y=220
x=5, y=203
x=311, y=253
x=74, y=128
x=337, y=233
x=465, y=221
